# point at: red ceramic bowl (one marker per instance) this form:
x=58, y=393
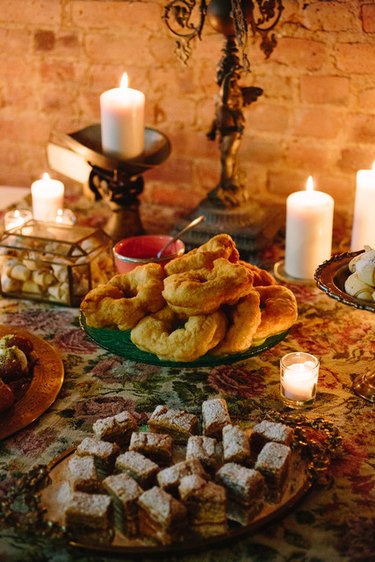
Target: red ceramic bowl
x=138, y=250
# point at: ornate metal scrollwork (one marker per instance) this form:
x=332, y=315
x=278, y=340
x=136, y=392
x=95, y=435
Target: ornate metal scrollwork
x=178, y=16
x=185, y=19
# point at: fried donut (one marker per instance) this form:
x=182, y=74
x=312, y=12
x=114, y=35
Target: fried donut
x=220, y=246
x=279, y=311
x=261, y=277
x=173, y=337
x=203, y=291
x=244, y=319
x=125, y=299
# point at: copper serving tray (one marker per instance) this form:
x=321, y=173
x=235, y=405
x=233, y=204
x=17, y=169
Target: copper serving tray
x=47, y=379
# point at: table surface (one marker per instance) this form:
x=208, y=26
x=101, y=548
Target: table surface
x=333, y=522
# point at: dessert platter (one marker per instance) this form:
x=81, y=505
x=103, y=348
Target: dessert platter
x=332, y=277
x=205, y=307
x=181, y=481
x=31, y=375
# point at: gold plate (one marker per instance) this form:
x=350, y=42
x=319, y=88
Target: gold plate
x=57, y=493
x=48, y=376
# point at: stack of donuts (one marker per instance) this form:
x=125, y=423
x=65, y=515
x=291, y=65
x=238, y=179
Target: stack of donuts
x=206, y=301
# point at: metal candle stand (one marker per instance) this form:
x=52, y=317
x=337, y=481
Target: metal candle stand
x=119, y=183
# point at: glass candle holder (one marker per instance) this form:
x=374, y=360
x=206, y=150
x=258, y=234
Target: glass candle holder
x=16, y=217
x=298, y=379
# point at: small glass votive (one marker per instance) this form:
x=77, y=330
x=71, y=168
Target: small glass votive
x=65, y=216
x=298, y=379
x=16, y=218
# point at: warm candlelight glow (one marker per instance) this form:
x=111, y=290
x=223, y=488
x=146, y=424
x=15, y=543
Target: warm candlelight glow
x=124, y=81
x=47, y=197
x=122, y=121
x=310, y=184
x=46, y=176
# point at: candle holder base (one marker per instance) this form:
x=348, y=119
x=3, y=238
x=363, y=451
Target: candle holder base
x=364, y=386
x=297, y=404
x=118, y=182
x=252, y=226
x=281, y=275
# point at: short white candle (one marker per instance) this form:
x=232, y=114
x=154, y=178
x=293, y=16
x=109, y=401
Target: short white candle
x=298, y=378
x=47, y=197
x=309, y=223
x=15, y=218
x=299, y=381
x=122, y=121
x=363, y=232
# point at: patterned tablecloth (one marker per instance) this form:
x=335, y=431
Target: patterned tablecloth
x=333, y=522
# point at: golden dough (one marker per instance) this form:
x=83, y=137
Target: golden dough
x=279, y=311
x=244, y=319
x=125, y=299
x=220, y=246
x=261, y=277
x=175, y=338
x=203, y=291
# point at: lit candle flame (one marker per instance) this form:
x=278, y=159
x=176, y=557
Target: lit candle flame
x=45, y=176
x=310, y=184
x=124, y=81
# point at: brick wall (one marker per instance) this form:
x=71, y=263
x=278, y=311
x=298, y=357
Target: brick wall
x=316, y=116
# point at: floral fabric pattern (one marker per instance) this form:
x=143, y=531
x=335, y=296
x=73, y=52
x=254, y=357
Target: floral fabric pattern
x=334, y=522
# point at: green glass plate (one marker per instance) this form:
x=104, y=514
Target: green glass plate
x=119, y=342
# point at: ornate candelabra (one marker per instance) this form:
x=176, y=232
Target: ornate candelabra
x=228, y=206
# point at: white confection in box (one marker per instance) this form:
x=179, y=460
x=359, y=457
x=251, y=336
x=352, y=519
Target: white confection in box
x=53, y=262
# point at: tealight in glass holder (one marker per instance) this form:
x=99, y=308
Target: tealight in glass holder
x=298, y=379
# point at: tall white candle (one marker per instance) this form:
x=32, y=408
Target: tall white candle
x=122, y=121
x=309, y=223
x=363, y=232
x=47, y=197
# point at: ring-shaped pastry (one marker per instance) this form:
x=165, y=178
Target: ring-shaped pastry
x=244, y=318
x=125, y=299
x=261, y=277
x=279, y=311
x=173, y=337
x=220, y=246
x=205, y=290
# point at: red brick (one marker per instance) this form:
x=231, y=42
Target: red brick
x=54, y=71
x=27, y=129
x=259, y=151
x=330, y=16
x=307, y=157
x=108, y=48
x=341, y=187
x=356, y=58
x=36, y=12
x=366, y=100
x=15, y=41
x=319, y=123
x=368, y=18
x=300, y=53
x=16, y=70
x=354, y=158
x=59, y=99
x=265, y=117
x=125, y=15
x=362, y=128
x=282, y=183
x=325, y=89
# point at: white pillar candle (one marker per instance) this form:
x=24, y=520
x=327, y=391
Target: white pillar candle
x=363, y=232
x=122, y=121
x=47, y=197
x=309, y=223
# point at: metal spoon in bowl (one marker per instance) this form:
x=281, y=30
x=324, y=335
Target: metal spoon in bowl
x=189, y=226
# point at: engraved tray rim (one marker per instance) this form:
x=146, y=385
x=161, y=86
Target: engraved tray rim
x=47, y=380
